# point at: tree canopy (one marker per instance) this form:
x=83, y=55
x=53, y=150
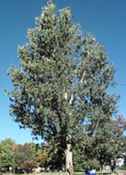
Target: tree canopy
x=61, y=85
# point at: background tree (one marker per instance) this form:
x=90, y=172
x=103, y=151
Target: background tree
x=60, y=87
x=42, y=156
x=25, y=155
x=7, y=154
x=102, y=148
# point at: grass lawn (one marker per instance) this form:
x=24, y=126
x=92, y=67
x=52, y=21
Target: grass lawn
x=60, y=173
x=44, y=173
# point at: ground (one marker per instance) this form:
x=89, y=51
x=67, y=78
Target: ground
x=121, y=172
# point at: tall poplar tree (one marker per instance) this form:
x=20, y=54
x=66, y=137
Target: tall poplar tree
x=60, y=86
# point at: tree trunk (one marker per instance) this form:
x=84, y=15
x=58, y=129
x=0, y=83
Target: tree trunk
x=69, y=160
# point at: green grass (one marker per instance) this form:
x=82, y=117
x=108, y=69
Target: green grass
x=58, y=173
x=49, y=173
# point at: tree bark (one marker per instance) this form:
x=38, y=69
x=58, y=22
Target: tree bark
x=69, y=160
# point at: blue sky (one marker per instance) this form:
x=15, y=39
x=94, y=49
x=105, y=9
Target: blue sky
x=105, y=19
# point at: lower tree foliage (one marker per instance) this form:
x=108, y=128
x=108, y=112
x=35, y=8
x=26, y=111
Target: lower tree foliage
x=104, y=147
x=28, y=156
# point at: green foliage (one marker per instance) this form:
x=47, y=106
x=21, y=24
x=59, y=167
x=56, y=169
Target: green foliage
x=42, y=156
x=61, y=87
x=24, y=155
x=7, y=153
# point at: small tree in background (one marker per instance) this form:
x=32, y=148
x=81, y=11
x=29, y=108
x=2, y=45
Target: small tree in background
x=7, y=154
x=60, y=87
x=24, y=156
